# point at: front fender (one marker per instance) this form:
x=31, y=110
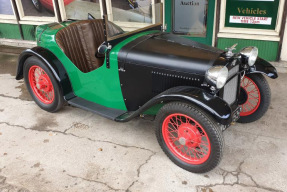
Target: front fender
x=264, y=67
x=213, y=105
x=53, y=63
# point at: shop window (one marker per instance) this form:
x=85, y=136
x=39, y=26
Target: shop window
x=79, y=9
x=128, y=14
x=36, y=10
x=134, y=14
x=190, y=17
x=132, y=11
x=6, y=10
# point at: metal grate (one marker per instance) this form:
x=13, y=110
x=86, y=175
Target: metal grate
x=230, y=89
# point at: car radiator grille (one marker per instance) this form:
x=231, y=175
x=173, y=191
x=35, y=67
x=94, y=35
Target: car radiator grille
x=230, y=89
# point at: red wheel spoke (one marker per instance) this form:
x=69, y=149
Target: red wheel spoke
x=41, y=84
x=183, y=135
x=253, y=97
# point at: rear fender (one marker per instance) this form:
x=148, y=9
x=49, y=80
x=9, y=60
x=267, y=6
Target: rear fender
x=213, y=105
x=264, y=67
x=53, y=63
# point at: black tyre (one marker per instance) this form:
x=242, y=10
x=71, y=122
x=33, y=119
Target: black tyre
x=42, y=85
x=255, y=96
x=37, y=5
x=189, y=137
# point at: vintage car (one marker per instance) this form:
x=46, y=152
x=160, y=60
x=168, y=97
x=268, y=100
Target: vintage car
x=193, y=91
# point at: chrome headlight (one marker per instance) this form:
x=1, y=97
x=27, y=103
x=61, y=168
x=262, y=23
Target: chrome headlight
x=217, y=76
x=250, y=54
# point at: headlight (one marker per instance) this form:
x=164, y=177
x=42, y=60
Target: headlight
x=217, y=76
x=250, y=54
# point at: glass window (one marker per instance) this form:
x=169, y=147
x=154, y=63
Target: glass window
x=38, y=8
x=128, y=17
x=190, y=17
x=79, y=9
x=6, y=7
x=132, y=10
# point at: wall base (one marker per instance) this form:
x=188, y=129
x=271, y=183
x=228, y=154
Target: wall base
x=18, y=43
x=268, y=50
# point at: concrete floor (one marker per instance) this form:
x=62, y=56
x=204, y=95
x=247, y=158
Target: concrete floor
x=75, y=150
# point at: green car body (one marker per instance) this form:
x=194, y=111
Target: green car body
x=86, y=85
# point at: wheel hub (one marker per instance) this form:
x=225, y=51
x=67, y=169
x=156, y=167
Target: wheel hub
x=44, y=83
x=189, y=135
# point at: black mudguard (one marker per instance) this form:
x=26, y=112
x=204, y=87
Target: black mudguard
x=54, y=65
x=264, y=67
x=213, y=105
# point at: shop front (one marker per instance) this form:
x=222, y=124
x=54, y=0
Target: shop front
x=219, y=23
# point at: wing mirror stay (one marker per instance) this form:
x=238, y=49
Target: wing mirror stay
x=103, y=48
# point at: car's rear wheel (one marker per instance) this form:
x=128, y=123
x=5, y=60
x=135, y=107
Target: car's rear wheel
x=189, y=137
x=37, y=5
x=254, y=98
x=42, y=85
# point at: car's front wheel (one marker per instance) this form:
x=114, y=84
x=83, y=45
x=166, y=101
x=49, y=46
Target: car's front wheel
x=42, y=85
x=254, y=98
x=189, y=137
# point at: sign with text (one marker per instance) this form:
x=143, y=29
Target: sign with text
x=190, y=17
x=256, y=14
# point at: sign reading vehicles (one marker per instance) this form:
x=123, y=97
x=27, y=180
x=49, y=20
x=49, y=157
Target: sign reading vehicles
x=254, y=14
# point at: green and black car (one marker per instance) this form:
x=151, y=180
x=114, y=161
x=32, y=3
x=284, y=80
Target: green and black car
x=193, y=91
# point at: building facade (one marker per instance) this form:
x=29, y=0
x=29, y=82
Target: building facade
x=219, y=23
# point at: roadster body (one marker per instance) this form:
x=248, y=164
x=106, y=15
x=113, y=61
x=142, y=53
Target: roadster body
x=194, y=91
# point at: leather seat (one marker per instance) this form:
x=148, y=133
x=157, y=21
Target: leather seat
x=80, y=41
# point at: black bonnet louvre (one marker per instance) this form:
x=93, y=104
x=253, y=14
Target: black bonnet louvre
x=163, y=80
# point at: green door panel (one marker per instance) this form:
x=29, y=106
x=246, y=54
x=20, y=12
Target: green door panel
x=102, y=85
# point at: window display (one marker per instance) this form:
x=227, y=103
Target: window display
x=132, y=11
x=78, y=9
x=38, y=8
x=190, y=17
x=6, y=7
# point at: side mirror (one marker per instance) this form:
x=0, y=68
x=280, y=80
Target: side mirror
x=102, y=49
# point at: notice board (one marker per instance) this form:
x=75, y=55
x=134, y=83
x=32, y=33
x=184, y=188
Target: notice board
x=255, y=14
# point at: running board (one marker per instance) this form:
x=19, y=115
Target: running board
x=106, y=112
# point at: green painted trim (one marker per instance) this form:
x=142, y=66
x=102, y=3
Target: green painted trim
x=210, y=22
x=268, y=50
x=9, y=31
x=29, y=32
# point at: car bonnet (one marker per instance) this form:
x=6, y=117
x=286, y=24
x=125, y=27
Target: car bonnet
x=168, y=51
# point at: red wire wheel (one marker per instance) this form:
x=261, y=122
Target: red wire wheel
x=186, y=138
x=41, y=84
x=252, y=96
